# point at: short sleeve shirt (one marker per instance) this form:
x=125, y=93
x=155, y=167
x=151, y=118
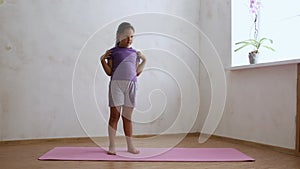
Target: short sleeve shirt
x=124, y=61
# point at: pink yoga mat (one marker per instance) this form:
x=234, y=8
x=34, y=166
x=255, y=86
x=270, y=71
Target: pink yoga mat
x=146, y=154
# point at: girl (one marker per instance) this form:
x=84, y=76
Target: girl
x=123, y=64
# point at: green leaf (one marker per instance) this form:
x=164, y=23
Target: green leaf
x=1, y=2
x=242, y=43
x=240, y=48
x=264, y=39
x=268, y=47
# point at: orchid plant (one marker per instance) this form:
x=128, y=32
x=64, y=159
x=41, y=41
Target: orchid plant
x=255, y=7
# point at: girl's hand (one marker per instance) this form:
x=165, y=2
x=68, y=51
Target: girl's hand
x=106, y=55
x=140, y=55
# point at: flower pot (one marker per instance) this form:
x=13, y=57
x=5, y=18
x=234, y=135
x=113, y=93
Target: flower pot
x=253, y=57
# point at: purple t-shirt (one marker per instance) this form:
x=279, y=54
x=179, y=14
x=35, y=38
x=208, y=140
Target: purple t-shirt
x=124, y=62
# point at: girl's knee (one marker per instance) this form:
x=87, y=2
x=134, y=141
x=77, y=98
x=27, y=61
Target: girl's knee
x=114, y=115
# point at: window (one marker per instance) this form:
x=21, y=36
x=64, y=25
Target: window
x=278, y=20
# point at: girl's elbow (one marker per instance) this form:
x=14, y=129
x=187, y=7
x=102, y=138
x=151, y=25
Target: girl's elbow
x=108, y=73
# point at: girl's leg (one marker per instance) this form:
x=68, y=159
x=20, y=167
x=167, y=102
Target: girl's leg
x=127, y=125
x=112, y=128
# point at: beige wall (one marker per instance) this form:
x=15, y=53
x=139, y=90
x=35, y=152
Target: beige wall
x=262, y=106
x=40, y=44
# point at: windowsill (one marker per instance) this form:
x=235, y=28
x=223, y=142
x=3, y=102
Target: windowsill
x=259, y=65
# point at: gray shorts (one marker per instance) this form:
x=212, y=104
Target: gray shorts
x=122, y=93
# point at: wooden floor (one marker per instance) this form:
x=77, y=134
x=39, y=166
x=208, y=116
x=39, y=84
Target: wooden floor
x=23, y=155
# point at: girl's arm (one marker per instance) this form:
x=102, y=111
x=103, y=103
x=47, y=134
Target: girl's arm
x=140, y=66
x=107, y=66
